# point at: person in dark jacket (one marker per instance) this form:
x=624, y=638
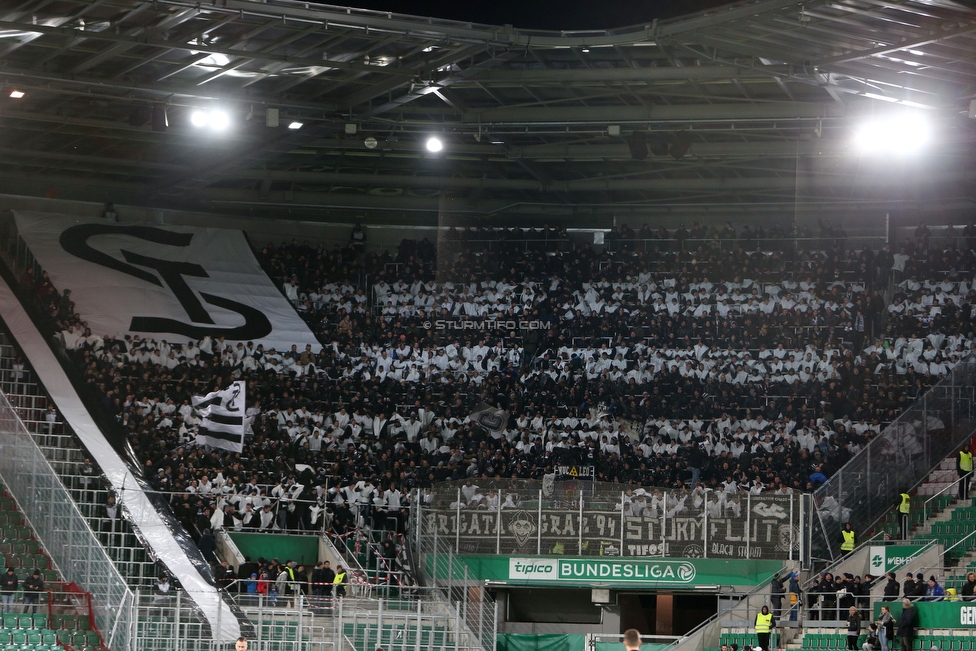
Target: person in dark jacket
x=776, y=592
x=795, y=595
x=208, y=546
x=9, y=583
x=909, y=586
x=968, y=591
x=853, y=628
x=906, y=624
x=921, y=586
x=33, y=587
x=892, y=588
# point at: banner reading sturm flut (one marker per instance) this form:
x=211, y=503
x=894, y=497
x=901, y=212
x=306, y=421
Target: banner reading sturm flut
x=176, y=283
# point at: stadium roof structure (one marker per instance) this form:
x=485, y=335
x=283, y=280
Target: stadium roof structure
x=750, y=105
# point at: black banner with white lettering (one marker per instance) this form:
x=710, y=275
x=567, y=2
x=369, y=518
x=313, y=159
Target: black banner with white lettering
x=613, y=522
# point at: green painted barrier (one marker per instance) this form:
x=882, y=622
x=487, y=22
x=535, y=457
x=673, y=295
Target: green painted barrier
x=304, y=550
x=935, y=614
x=515, y=642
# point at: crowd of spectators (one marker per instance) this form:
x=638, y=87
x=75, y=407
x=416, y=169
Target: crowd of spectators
x=752, y=369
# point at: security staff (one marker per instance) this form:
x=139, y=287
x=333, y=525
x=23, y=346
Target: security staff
x=339, y=582
x=847, y=539
x=964, y=466
x=764, y=626
x=905, y=509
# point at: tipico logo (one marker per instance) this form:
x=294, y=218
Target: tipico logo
x=531, y=568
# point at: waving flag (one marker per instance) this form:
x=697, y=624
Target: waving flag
x=223, y=418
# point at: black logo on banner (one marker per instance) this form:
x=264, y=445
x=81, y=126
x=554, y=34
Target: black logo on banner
x=74, y=240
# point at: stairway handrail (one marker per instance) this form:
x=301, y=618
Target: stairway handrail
x=954, y=484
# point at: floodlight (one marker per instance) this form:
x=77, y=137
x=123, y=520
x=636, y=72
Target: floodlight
x=295, y=125
x=198, y=118
x=218, y=120
x=434, y=144
x=17, y=94
x=899, y=135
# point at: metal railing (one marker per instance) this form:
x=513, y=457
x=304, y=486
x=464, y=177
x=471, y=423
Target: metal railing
x=70, y=542
x=439, y=570
x=898, y=460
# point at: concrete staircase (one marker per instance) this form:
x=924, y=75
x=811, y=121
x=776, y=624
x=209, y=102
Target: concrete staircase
x=939, y=479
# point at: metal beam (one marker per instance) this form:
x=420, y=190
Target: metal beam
x=169, y=93
x=670, y=113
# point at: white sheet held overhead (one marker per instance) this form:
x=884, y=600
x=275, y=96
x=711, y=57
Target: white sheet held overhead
x=176, y=283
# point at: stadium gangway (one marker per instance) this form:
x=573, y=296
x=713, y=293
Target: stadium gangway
x=742, y=614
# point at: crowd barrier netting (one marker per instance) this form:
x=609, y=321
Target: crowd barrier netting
x=869, y=486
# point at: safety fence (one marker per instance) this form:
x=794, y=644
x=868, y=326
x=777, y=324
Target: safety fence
x=442, y=572
x=898, y=460
x=69, y=541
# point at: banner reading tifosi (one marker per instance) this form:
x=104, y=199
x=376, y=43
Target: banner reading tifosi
x=165, y=282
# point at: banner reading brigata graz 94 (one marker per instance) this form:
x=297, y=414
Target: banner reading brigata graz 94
x=514, y=517
x=173, y=283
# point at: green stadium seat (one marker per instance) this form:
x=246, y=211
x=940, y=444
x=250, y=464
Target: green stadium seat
x=10, y=620
x=25, y=620
x=64, y=637
x=40, y=621
x=19, y=638
x=51, y=576
x=33, y=637
x=5, y=636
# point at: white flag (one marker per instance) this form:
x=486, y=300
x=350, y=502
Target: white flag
x=223, y=418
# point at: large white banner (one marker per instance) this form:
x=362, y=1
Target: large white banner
x=152, y=527
x=176, y=283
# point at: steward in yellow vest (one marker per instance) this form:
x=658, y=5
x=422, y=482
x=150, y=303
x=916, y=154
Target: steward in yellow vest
x=964, y=466
x=847, y=541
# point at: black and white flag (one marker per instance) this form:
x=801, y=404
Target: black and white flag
x=493, y=420
x=223, y=418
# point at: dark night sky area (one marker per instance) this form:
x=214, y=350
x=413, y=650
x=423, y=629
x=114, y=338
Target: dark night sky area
x=543, y=14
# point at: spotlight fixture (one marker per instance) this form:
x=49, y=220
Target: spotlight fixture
x=434, y=144
x=295, y=125
x=218, y=120
x=658, y=145
x=680, y=146
x=895, y=135
x=17, y=94
x=198, y=118
x=370, y=142
x=637, y=142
